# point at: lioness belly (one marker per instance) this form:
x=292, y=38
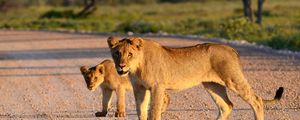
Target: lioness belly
x=182, y=86
x=183, y=83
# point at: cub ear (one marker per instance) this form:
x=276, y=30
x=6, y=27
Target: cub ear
x=137, y=41
x=100, y=68
x=112, y=41
x=83, y=69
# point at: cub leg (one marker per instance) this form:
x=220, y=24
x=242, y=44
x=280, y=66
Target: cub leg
x=219, y=95
x=106, y=102
x=121, y=93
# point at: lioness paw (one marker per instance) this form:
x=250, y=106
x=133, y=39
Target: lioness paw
x=120, y=114
x=101, y=114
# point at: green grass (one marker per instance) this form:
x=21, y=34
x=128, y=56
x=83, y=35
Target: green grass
x=280, y=28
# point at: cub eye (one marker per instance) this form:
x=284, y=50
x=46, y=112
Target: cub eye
x=130, y=55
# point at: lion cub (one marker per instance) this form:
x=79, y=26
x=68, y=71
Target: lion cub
x=106, y=76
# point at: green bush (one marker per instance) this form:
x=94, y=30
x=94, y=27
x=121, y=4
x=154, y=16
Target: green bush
x=191, y=26
x=137, y=27
x=285, y=42
x=59, y=14
x=239, y=28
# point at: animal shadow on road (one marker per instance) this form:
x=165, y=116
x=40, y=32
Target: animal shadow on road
x=72, y=53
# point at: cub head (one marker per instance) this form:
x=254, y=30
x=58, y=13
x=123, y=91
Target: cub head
x=126, y=53
x=93, y=76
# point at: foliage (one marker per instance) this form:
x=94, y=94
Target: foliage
x=239, y=28
x=280, y=28
x=59, y=14
x=285, y=42
x=137, y=27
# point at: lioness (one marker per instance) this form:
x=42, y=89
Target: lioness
x=105, y=75
x=157, y=68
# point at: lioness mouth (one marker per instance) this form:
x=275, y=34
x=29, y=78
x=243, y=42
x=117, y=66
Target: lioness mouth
x=122, y=72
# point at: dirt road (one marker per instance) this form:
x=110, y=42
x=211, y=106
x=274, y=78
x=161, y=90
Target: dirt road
x=40, y=79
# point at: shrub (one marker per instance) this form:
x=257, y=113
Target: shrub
x=59, y=14
x=191, y=26
x=285, y=42
x=137, y=27
x=239, y=28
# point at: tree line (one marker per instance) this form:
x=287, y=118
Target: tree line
x=91, y=5
x=81, y=2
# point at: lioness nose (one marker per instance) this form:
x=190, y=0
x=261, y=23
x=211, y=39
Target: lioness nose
x=122, y=65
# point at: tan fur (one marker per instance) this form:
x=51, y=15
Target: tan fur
x=105, y=76
x=154, y=68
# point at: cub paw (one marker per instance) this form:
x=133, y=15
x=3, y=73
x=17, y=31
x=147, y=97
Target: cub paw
x=101, y=114
x=120, y=114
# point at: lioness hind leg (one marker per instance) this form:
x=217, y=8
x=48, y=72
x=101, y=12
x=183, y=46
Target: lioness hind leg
x=240, y=85
x=219, y=95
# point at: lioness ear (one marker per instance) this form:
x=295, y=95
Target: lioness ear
x=83, y=69
x=100, y=68
x=138, y=42
x=112, y=41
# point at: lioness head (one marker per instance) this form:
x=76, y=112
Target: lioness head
x=126, y=53
x=93, y=76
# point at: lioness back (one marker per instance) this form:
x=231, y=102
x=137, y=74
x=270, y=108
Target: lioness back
x=187, y=66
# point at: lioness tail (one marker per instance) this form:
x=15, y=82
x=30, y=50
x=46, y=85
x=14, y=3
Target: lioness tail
x=277, y=97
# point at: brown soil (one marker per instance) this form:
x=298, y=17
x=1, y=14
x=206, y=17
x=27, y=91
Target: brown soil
x=40, y=79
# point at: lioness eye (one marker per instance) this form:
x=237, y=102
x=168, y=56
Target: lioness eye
x=130, y=55
x=117, y=53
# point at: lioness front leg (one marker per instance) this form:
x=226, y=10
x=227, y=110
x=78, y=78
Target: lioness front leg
x=120, y=102
x=106, y=102
x=157, y=101
x=142, y=99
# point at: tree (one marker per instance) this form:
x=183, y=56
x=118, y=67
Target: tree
x=259, y=11
x=90, y=7
x=66, y=2
x=6, y=5
x=248, y=9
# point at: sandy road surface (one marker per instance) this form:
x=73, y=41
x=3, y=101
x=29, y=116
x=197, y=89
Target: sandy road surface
x=40, y=79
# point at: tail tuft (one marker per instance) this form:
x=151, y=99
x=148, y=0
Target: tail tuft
x=277, y=97
x=279, y=93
